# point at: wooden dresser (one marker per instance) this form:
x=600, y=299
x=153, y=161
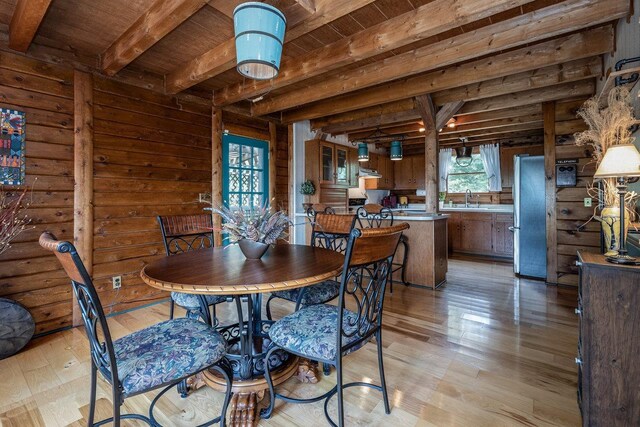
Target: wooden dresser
x=609, y=344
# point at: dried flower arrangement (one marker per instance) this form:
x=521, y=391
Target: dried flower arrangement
x=261, y=225
x=609, y=126
x=13, y=217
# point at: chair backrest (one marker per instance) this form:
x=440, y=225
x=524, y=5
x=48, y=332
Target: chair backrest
x=317, y=208
x=93, y=317
x=183, y=233
x=371, y=215
x=331, y=231
x=367, y=264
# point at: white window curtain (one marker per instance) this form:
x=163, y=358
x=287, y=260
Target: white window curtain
x=490, y=155
x=445, y=158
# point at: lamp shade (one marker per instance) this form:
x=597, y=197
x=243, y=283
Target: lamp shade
x=396, y=150
x=619, y=161
x=463, y=156
x=363, y=152
x=259, y=30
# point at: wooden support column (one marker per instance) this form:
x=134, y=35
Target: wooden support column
x=83, y=174
x=549, y=117
x=273, y=151
x=291, y=172
x=428, y=113
x=216, y=169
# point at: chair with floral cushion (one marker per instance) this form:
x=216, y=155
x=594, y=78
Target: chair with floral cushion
x=374, y=216
x=326, y=333
x=158, y=356
x=183, y=233
x=328, y=231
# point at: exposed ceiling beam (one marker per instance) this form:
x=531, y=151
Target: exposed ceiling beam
x=548, y=22
x=223, y=57
x=308, y=5
x=365, y=113
x=159, y=20
x=426, y=21
x=419, y=140
x=379, y=122
x=446, y=112
x=26, y=19
x=507, y=113
x=569, y=48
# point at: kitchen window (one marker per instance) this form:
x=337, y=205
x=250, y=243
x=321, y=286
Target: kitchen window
x=472, y=177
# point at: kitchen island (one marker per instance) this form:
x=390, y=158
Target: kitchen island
x=427, y=241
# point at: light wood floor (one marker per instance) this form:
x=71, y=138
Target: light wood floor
x=485, y=350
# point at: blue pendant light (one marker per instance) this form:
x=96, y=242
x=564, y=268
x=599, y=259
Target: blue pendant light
x=363, y=152
x=259, y=30
x=396, y=150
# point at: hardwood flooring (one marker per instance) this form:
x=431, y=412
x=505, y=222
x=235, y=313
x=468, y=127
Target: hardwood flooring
x=486, y=349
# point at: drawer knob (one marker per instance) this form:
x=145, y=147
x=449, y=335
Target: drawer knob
x=578, y=311
x=578, y=361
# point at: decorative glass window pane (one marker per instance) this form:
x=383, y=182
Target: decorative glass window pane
x=246, y=156
x=257, y=157
x=257, y=181
x=341, y=160
x=234, y=200
x=234, y=155
x=246, y=201
x=234, y=180
x=246, y=181
x=257, y=200
x=327, y=164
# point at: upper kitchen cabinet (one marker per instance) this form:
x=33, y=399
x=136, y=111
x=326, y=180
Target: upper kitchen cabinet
x=354, y=167
x=506, y=160
x=330, y=164
x=384, y=165
x=409, y=173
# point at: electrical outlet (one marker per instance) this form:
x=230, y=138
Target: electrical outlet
x=117, y=282
x=204, y=197
x=587, y=202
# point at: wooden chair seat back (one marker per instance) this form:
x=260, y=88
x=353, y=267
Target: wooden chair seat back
x=332, y=231
x=183, y=233
x=372, y=215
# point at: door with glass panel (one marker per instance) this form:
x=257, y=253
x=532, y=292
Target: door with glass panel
x=245, y=172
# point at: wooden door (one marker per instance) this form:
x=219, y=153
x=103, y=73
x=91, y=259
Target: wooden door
x=476, y=234
x=342, y=165
x=403, y=173
x=327, y=163
x=418, y=172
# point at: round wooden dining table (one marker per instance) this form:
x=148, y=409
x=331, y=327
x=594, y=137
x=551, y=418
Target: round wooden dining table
x=225, y=271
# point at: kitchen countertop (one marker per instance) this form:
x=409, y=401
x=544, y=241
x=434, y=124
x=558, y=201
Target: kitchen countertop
x=407, y=215
x=507, y=209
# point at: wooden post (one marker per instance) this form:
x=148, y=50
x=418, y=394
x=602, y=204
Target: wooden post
x=83, y=174
x=428, y=113
x=216, y=169
x=549, y=118
x=292, y=178
x=273, y=152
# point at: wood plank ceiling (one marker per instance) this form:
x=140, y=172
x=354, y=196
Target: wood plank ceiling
x=350, y=66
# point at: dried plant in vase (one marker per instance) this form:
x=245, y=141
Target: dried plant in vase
x=13, y=217
x=254, y=230
x=609, y=126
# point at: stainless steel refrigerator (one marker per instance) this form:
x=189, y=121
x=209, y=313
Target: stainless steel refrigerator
x=529, y=217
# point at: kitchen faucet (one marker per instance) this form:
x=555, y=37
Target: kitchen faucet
x=467, y=195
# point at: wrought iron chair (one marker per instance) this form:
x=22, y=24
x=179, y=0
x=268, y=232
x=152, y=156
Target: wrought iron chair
x=373, y=216
x=158, y=356
x=329, y=231
x=183, y=233
x=326, y=333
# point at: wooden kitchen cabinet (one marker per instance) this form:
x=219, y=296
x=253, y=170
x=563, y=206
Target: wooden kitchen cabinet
x=481, y=233
x=476, y=233
x=334, y=164
x=354, y=167
x=409, y=173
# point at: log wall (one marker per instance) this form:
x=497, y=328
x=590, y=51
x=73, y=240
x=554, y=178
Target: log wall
x=152, y=156
x=29, y=274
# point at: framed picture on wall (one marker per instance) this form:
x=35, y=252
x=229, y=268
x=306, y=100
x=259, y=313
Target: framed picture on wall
x=12, y=146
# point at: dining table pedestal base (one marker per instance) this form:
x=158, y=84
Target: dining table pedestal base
x=247, y=394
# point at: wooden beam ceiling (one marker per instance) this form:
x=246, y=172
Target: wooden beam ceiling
x=308, y=5
x=223, y=57
x=548, y=22
x=426, y=21
x=162, y=17
x=26, y=19
x=363, y=114
x=496, y=68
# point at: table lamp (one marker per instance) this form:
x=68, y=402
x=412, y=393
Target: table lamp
x=621, y=162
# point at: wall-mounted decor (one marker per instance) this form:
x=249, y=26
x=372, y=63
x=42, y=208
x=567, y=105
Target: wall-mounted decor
x=12, y=144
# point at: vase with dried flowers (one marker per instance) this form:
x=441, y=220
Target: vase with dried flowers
x=254, y=230
x=609, y=126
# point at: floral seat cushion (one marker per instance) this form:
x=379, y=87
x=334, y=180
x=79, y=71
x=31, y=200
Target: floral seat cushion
x=312, y=331
x=166, y=352
x=192, y=302
x=314, y=294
